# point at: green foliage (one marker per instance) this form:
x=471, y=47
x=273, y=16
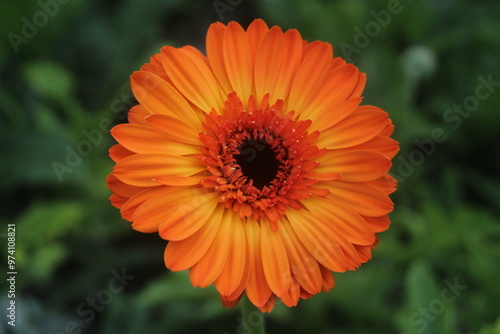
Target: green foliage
x=40, y=232
x=71, y=79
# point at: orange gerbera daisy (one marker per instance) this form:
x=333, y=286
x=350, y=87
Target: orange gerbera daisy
x=256, y=162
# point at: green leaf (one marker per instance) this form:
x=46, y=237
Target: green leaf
x=49, y=80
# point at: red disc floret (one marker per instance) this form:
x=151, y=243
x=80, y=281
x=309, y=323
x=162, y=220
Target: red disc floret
x=293, y=147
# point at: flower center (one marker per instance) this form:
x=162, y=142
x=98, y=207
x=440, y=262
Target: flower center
x=258, y=162
x=259, y=159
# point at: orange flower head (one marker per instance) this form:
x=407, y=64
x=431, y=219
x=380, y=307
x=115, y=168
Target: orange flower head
x=256, y=162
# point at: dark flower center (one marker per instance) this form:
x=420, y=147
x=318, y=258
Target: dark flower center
x=259, y=159
x=258, y=162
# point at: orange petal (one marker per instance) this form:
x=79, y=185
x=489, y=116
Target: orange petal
x=233, y=272
x=353, y=261
x=328, y=279
x=386, y=183
x=355, y=166
x=330, y=112
x=360, y=86
x=144, y=139
x=308, y=47
x=238, y=60
x=120, y=188
x=274, y=259
x=255, y=32
x=335, y=235
x=195, y=52
x=142, y=169
x=378, y=224
x=331, y=94
x=150, y=214
x=215, y=36
x=155, y=66
x=190, y=216
x=238, y=292
x=357, y=128
x=118, y=152
x=236, y=295
x=180, y=181
x=193, y=78
x=303, y=265
x=324, y=176
x=156, y=70
x=138, y=199
x=304, y=294
x=174, y=129
x=257, y=288
x=346, y=222
x=209, y=267
x=313, y=71
x=364, y=252
x=267, y=61
x=230, y=303
x=291, y=58
x=341, y=82
x=117, y=201
x=137, y=115
x=365, y=199
x=385, y=145
x=316, y=238
x=159, y=97
x=291, y=297
x=183, y=254
x=388, y=130
x=269, y=305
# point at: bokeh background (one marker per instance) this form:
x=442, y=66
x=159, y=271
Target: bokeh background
x=64, y=69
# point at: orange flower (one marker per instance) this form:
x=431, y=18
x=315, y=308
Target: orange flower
x=256, y=162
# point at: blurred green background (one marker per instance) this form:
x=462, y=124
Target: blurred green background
x=64, y=69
